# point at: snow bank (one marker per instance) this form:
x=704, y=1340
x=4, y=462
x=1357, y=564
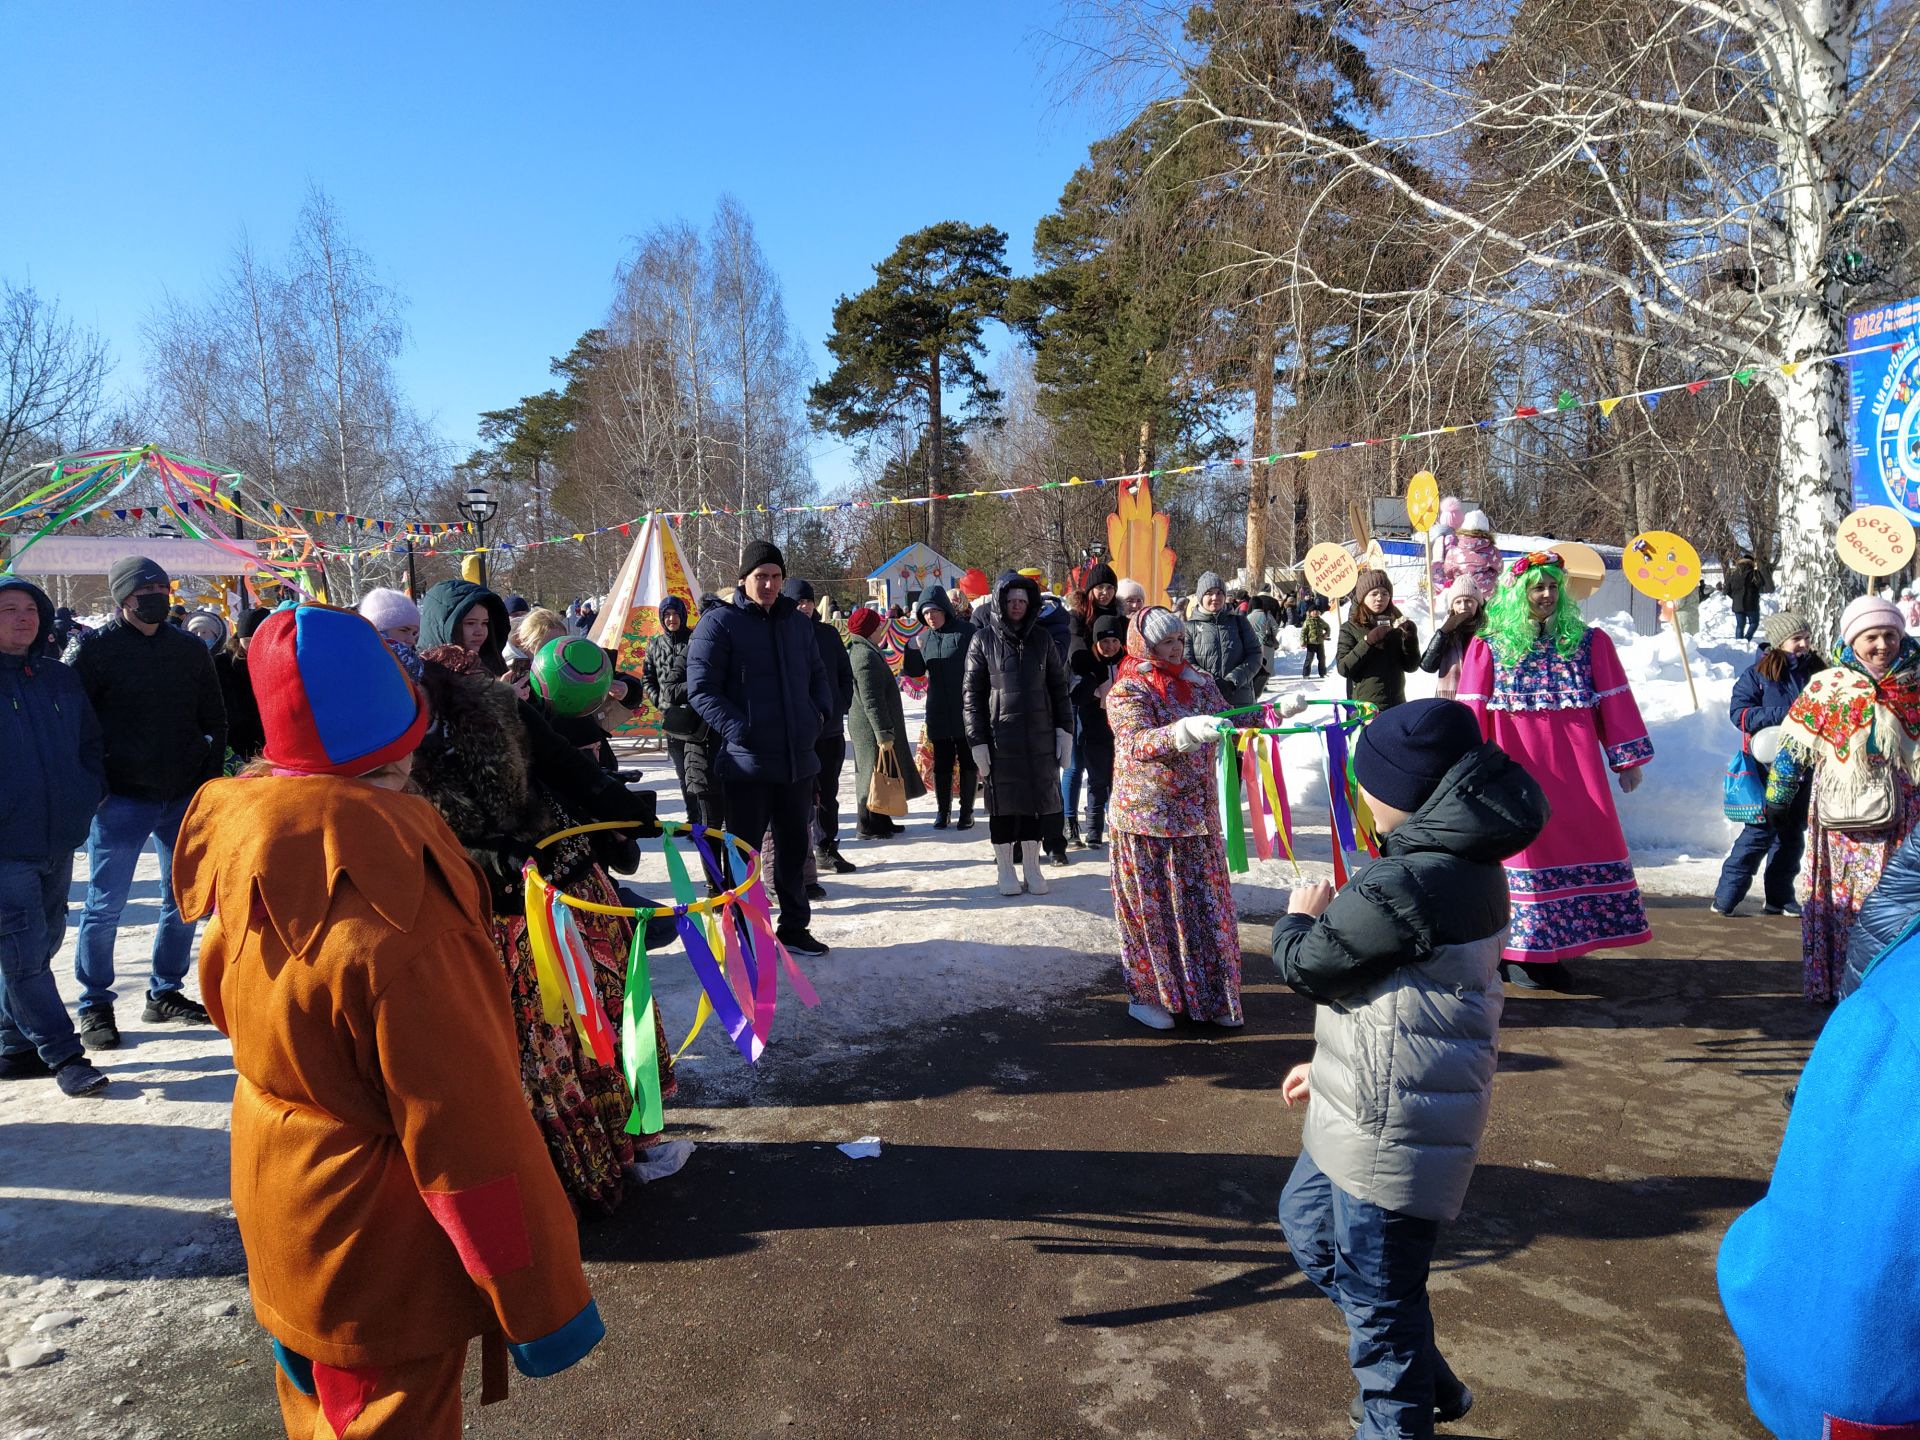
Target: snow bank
x=1675, y=815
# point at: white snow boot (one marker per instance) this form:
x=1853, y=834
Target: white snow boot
x=1036, y=877
x=1009, y=882
x=1154, y=1017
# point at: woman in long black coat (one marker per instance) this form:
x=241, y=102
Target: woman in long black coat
x=942, y=659
x=877, y=720
x=1019, y=726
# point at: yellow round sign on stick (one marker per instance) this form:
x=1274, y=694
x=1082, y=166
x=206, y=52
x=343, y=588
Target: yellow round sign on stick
x=1585, y=569
x=1875, y=540
x=1423, y=501
x=1660, y=564
x=1330, y=569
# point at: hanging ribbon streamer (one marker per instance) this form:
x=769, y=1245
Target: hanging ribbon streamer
x=589, y=1015
x=1277, y=800
x=1256, y=795
x=640, y=1041
x=1337, y=798
x=716, y=993
x=1227, y=780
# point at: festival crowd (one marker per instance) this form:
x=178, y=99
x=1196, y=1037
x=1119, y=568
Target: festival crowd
x=350, y=799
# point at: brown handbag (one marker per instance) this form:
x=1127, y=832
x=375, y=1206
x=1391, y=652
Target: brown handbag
x=886, y=791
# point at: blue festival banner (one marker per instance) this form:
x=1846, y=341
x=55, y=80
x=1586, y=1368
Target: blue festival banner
x=1883, y=404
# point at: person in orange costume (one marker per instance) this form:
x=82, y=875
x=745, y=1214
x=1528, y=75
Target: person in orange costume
x=393, y=1193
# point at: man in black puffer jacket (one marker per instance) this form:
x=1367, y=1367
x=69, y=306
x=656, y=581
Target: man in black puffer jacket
x=54, y=782
x=165, y=730
x=754, y=674
x=1403, y=965
x=831, y=747
x=690, y=740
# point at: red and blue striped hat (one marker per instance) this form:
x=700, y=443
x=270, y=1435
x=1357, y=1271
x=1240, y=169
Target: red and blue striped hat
x=333, y=699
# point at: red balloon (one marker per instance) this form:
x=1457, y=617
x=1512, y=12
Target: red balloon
x=975, y=584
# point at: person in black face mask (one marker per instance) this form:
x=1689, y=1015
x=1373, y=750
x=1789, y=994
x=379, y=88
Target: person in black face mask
x=164, y=726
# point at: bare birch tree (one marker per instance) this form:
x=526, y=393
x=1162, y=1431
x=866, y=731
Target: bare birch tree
x=1700, y=157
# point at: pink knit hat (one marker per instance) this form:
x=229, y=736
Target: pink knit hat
x=1869, y=612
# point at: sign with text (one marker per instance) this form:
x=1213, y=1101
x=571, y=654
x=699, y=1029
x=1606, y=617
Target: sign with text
x=1875, y=540
x=1330, y=570
x=1883, y=403
x=97, y=554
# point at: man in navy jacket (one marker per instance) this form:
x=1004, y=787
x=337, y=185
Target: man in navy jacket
x=754, y=674
x=55, y=777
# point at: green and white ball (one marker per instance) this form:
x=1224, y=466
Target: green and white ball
x=573, y=675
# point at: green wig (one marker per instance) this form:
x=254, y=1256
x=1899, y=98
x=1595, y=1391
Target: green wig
x=1510, y=631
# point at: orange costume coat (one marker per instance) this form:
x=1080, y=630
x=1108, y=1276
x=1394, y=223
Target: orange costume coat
x=393, y=1193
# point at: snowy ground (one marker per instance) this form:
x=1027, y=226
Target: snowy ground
x=116, y=1238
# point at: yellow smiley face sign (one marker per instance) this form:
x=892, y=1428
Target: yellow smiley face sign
x=1330, y=570
x=1662, y=565
x=1423, y=501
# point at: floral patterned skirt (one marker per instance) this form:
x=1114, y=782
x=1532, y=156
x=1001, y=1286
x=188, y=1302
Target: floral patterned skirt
x=1841, y=871
x=1179, y=935
x=580, y=1105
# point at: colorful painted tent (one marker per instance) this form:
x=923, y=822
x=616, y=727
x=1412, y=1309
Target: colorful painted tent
x=630, y=615
x=903, y=578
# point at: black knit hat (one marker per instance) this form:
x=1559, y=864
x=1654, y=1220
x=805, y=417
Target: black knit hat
x=252, y=620
x=130, y=574
x=795, y=589
x=1404, y=753
x=758, y=553
x=1109, y=627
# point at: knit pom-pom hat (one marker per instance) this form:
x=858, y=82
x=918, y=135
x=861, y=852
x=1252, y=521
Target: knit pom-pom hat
x=1869, y=612
x=333, y=698
x=389, y=609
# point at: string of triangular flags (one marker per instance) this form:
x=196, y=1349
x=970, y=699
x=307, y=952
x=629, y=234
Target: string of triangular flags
x=401, y=533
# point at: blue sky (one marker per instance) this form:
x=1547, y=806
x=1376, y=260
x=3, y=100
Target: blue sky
x=497, y=159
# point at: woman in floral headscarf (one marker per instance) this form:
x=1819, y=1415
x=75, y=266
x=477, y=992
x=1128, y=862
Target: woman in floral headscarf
x=1179, y=936
x=1549, y=690
x=1854, y=731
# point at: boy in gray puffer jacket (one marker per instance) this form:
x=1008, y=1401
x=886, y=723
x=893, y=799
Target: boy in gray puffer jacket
x=1404, y=966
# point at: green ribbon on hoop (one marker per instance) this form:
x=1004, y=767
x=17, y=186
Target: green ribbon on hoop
x=1227, y=773
x=639, y=1041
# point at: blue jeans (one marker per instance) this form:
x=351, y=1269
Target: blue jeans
x=1746, y=625
x=121, y=829
x=1373, y=1264
x=33, y=921
x=1070, y=777
x=1786, y=842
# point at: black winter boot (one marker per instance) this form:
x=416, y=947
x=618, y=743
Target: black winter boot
x=1073, y=831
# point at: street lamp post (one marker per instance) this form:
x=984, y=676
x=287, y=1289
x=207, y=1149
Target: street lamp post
x=479, y=506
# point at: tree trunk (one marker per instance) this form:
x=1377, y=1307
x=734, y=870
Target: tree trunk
x=1145, y=457
x=1813, y=459
x=936, y=457
x=1258, y=480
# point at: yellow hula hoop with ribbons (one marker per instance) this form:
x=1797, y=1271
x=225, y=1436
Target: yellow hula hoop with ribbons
x=644, y=912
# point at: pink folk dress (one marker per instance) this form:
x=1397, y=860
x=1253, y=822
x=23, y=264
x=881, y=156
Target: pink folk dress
x=1570, y=720
x=1172, y=896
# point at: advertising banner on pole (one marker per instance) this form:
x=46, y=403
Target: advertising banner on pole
x=1883, y=403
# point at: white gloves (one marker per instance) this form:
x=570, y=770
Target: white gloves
x=1063, y=747
x=1630, y=779
x=1291, y=705
x=1194, y=731
x=982, y=760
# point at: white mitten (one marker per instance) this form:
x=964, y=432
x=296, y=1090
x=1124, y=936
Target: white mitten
x=1291, y=705
x=1194, y=731
x=982, y=760
x=1063, y=747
